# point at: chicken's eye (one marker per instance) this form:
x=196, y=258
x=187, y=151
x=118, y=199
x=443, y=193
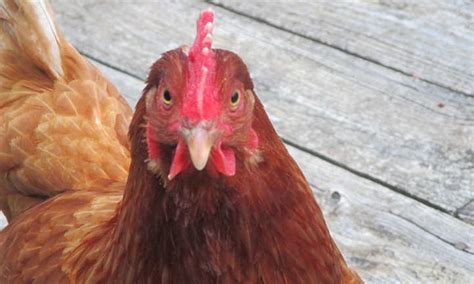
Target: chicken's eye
x=235, y=99
x=166, y=97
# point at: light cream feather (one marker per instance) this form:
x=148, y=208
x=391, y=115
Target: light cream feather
x=31, y=30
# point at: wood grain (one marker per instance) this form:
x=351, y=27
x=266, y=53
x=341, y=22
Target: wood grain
x=387, y=237
x=377, y=122
x=432, y=40
x=467, y=212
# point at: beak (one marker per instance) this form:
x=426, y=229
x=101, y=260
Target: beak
x=200, y=142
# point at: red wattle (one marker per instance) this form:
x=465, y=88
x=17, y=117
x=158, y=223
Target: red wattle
x=223, y=159
x=180, y=161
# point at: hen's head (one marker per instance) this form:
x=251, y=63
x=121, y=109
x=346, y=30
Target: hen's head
x=199, y=108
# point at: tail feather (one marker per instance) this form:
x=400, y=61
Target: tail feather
x=28, y=29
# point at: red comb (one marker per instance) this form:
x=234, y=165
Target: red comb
x=201, y=69
x=202, y=46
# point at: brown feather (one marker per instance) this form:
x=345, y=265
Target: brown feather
x=63, y=125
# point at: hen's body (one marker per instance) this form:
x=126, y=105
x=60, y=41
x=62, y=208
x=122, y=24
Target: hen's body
x=62, y=124
x=202, y=233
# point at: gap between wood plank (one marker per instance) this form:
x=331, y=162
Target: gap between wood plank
x=369, y=177
x=454, y=245
x=371, y=60
x=456, y=213
x=109, y=65
x=316, y=154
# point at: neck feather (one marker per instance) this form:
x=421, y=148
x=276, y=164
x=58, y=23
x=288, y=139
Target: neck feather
x=227, y=229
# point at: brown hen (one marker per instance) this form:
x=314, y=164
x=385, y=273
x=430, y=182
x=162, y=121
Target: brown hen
x=212, y=194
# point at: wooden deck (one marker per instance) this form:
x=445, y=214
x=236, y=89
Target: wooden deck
x=374, y=99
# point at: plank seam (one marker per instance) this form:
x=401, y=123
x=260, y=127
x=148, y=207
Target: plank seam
x=368, y=59
x=454, y=245
x=370, y=177
x=456, y=213
x=109, y=65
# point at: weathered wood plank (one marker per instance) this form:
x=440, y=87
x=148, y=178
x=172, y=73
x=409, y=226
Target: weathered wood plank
x=371, y=119
x=387, y=237
x=432, y=40
x=467, y=211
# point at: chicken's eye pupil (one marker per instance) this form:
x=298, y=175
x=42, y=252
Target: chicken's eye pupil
x=167, y=96
x=235, y=98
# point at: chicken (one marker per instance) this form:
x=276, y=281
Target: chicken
x=63, y=126
x=212, y=194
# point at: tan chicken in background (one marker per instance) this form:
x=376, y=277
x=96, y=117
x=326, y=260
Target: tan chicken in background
x=63, y=126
